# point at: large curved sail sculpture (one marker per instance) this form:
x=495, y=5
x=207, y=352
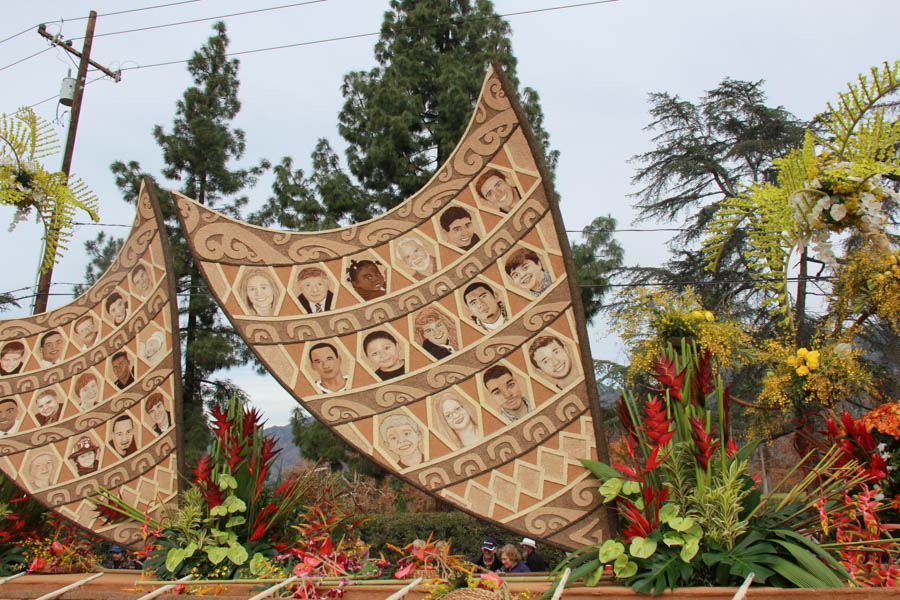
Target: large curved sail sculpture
x=90, y=392
x=445, y=338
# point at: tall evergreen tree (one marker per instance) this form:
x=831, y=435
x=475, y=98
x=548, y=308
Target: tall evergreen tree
x=199, y=151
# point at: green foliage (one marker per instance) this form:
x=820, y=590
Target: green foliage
x=596, y=260
x=314, y=439
x=101, y=252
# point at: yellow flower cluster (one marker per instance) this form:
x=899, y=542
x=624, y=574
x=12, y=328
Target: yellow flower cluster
x=804, y=361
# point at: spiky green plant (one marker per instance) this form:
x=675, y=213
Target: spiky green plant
x=25, y=140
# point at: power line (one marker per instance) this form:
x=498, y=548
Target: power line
x=237, y=14
x=21, y=60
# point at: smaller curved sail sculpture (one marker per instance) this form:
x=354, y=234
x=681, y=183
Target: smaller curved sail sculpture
x=90, y=392
x=444, y=338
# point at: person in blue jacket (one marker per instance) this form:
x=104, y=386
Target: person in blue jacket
x=512, y=560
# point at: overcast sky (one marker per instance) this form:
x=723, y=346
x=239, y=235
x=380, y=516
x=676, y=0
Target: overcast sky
x=593, y=67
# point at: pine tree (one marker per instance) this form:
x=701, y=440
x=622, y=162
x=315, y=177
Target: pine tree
x=198, y=152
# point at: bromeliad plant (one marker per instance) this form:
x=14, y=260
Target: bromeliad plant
x=227, y=520
x=690, y=511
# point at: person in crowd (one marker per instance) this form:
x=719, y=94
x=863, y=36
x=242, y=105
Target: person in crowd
x=48, y=407
x=435, y=332
x=123, y=436
x=512, y=560
x=326, y=362
x=123, y=370
x=459, y=229
x=528, y=274
x=52, y=346
x=259, y=292
x=117, y=308
x=488, y=559
x=497, y=190
x=315, y=295
x=411, y=251
x=86, y=331
x=120, y=558
x=11, y=358
x=505, y=394
x=533, y=560
x=85, y=456
x=456, y=419
x=156, y=410
x=403, y=437
x=87, y=388
x=9, y=416
x=486, y=308
x=552, y=358
x=385, y=355
x=367, y=279
x=140, y=278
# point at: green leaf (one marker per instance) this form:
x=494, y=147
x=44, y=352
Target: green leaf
x=642, y=547
x=823, y=575
x=749, y=556
x=257, y=564
x=681, y=524
x=610, y=489
x=667, y=511
x=234, y=504
x=817, y=550
x=601, y=471
x=226, y=481
x=237, y=554
x=218, y=511
x=592, y=579
x=217, y=554
x=798, y=575
x=624, y=568
x=235, y=521
x=190, y=549
x=174, y=558
x=611, y=550
x=689, y=550
x=694, y=532
x=663, y=570
x=672, y=538
x=631, y=487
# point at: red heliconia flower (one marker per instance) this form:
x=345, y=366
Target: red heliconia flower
x=638, y=525
x=703, y=441
x=108, y=513
x=235, y=452
x=656, y=425
x=252, y=418
x=666, y=373
x=625, y=416
x=703, y=377
x=221, y=422
x=203, y=480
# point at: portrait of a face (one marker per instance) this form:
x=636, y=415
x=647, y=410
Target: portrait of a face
x=52, y=346
x=86, y=331
x=85, y=455
x=384, y=354
x=87, y=388
x=152, y=349
x=456, y=419
x=403, y=438
x=435, y=332
x=260, y=292
x=47, y=407
x=141, y=280
x=325, y=360
x=9, y=416
x=497, y=190
x=156, y=410
x=486, y=308
x=505, y=394
x=412, y=253
x=315, y=293
x=458, y=228
x=123, y=370
x=526, y=271
x=552, y=358
x=42, y=469
x=367, y=279
x=123, y=436
x=11, y=357
x=117, y=308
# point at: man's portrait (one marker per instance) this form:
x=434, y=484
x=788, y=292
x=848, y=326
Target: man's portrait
x=86, y=456
x=152, y=350
x=155, y=407
x=123, y=436
x=86, y=331
x=41, y=469
x=11, y=358
x=486, y=308
x=526, y=271
x=52, y=346
x=116, y=308
x=552, y=358
x=47, y=406
x=497, y=190
x=325, y=360
x=122, y=369
x=315, y=293
x=140, y=280
x=505, y=394
x=413, y=255
x=87, y=388
x=385, y=355
x=9, y=416
x=403, y=439
x=459, y=229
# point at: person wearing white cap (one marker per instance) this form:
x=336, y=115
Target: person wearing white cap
x=533, y=560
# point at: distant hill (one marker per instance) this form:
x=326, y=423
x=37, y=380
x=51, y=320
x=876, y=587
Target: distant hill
x=289, y=455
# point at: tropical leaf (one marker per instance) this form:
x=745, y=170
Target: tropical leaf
x=748, y=556
x=664, y=570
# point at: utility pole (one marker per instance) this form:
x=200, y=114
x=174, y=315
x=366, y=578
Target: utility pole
x=43, y=290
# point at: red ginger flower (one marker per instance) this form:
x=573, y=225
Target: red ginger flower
x=625, y=416
x=703, y=441
x=666, y=373
x=656, y=425
x=203, y=480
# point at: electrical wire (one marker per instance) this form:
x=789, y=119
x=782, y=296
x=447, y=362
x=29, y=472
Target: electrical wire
x=21, y=60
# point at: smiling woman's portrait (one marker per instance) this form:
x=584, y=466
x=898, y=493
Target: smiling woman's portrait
x=456, y=419
x=435, y=332
x=403, y=439
x=259, y=292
